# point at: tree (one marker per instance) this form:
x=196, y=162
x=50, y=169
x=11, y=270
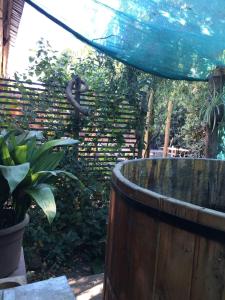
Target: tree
x=107, y=76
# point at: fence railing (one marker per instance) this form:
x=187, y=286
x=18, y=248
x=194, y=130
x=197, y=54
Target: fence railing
x=105, y=136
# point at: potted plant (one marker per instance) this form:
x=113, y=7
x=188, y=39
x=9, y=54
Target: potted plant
x=27, y=175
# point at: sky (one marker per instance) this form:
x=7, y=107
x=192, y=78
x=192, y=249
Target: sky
x=32, y=27
x=79, y=15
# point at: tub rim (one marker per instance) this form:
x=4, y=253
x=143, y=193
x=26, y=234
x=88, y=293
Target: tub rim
x=191, y=212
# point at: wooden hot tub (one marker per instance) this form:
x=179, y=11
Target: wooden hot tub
x=166, y=233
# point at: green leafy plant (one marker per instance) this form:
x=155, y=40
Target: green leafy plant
x=80, y=221
x=212, y=112
x=27, y=173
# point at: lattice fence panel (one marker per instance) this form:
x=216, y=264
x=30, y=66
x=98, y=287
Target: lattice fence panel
x=46, y=108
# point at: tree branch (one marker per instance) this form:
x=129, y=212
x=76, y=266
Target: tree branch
x=80, y=87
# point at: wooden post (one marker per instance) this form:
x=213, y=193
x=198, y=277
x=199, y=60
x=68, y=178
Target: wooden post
x=216, y=82
x=149, y=125
x=5, y=22
x=167, y=129
x=141, y=125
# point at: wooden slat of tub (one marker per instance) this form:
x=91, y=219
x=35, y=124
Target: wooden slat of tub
x=208, y=279
x=142, y=255
x=174, y=269
x=110, y=230
x=109, y=294
x=118, y=271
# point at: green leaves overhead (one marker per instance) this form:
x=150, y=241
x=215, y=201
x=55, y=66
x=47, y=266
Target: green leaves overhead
x=47, y=162
x=51, y=144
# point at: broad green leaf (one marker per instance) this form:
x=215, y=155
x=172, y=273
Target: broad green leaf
x=4, y=190
x=68, y=174
x=51, y=144
x=3, y=132
x=38, y=135
x=10, y=137
x=44, y=197
x=5, y=155
x=20, y=138
x=20, y=154
x=31, y=148
x=14, y=174
x=47, y=161
x=10, y=140
x=1, y=139
x=27, y=135
x=54, y=173
x=6, y=133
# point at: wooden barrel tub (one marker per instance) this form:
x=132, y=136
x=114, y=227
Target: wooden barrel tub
x=166, y=233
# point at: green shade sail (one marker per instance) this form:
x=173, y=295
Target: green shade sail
x=178, y=39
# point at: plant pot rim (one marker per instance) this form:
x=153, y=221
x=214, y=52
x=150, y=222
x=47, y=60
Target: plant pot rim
x=14, y=228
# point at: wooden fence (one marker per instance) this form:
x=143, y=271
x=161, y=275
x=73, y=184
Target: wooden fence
x=44, y=107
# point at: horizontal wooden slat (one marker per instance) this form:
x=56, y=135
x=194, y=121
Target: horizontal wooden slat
x=51, y=112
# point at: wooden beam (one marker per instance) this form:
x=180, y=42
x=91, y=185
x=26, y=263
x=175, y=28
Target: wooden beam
x=10, y=15
x=7, y=22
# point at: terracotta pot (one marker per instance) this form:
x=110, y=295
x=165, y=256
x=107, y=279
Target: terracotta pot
x=10, y=247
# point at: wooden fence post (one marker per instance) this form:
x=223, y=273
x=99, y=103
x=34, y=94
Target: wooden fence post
x=167, y=129
x=141, y=124
x=149, y=123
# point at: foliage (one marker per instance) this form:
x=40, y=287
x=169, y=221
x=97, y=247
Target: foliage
x=114, y=83
x=191, y=110
x=79, y=228
x=80, y=224
x=81, y=221
x=48, y=66
x=187, y=130
x=212, y=112
x=27, y=172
